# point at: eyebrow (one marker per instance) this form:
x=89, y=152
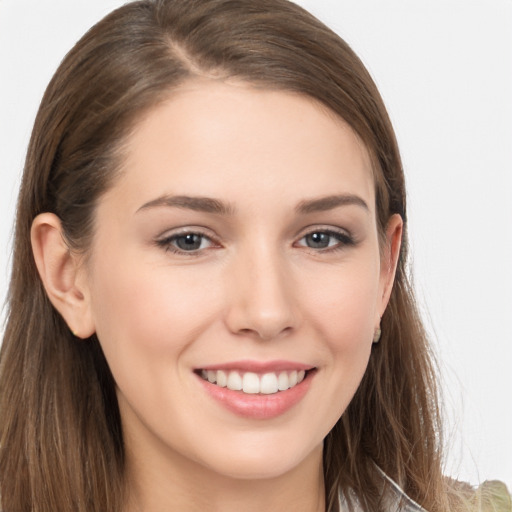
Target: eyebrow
x=323, y=204
x=210, y=205
x=199, y=204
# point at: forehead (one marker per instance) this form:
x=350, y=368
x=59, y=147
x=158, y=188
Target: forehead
x=218, y=139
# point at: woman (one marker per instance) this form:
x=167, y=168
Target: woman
x=209, y=307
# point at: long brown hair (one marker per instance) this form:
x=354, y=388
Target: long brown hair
x=60, y=428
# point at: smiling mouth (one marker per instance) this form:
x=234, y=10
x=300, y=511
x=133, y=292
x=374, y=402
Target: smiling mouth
x=253, y=383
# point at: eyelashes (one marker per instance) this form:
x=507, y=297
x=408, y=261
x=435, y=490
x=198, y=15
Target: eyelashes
x=189, y=242
x=326, y=240
x=194, y=242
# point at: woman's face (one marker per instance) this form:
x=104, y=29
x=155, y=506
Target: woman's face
x=238, y=248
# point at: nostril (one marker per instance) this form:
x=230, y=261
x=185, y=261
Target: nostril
x=266, y=333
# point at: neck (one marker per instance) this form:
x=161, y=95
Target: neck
x=170, y=484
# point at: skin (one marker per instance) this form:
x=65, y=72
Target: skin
x=255, y=289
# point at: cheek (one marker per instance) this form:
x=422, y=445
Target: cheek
x=344, y=308
x=343, y=316
x=143, y=312
x=146, y=321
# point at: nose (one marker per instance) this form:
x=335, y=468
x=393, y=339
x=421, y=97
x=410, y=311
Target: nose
x=262, y=298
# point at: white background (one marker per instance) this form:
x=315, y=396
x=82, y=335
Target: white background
x=444, y=68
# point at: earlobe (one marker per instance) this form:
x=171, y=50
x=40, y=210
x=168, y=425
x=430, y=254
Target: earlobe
x=60, y=271
x=390, y=258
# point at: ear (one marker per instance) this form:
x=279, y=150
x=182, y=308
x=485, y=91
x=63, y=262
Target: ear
x=62, y=274
x=389, y=260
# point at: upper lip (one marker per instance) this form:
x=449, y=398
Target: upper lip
x=258, y=366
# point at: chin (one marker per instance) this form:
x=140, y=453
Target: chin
x=259, y=462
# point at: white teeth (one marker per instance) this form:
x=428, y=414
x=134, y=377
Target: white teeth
x=234, y=381
x=268, y=384
x=253, y=383
x=222, y=379
x=283, y=382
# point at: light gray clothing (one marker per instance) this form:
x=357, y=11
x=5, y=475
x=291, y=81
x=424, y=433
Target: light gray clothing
x=394, y=500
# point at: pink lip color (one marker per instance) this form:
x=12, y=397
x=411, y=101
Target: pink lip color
x=259, y=366
x=258, y=406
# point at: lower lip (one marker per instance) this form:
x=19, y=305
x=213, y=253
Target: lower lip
x=258, y=406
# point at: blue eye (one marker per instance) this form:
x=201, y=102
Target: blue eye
x=325, y=240
x=189, y=242
x=185, y=242
x=319, y=240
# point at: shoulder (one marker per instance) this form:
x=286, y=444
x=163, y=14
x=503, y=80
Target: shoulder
x=394, y=499
x=491, y=496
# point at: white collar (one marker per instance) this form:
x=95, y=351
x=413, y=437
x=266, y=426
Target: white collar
x=395, y=499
